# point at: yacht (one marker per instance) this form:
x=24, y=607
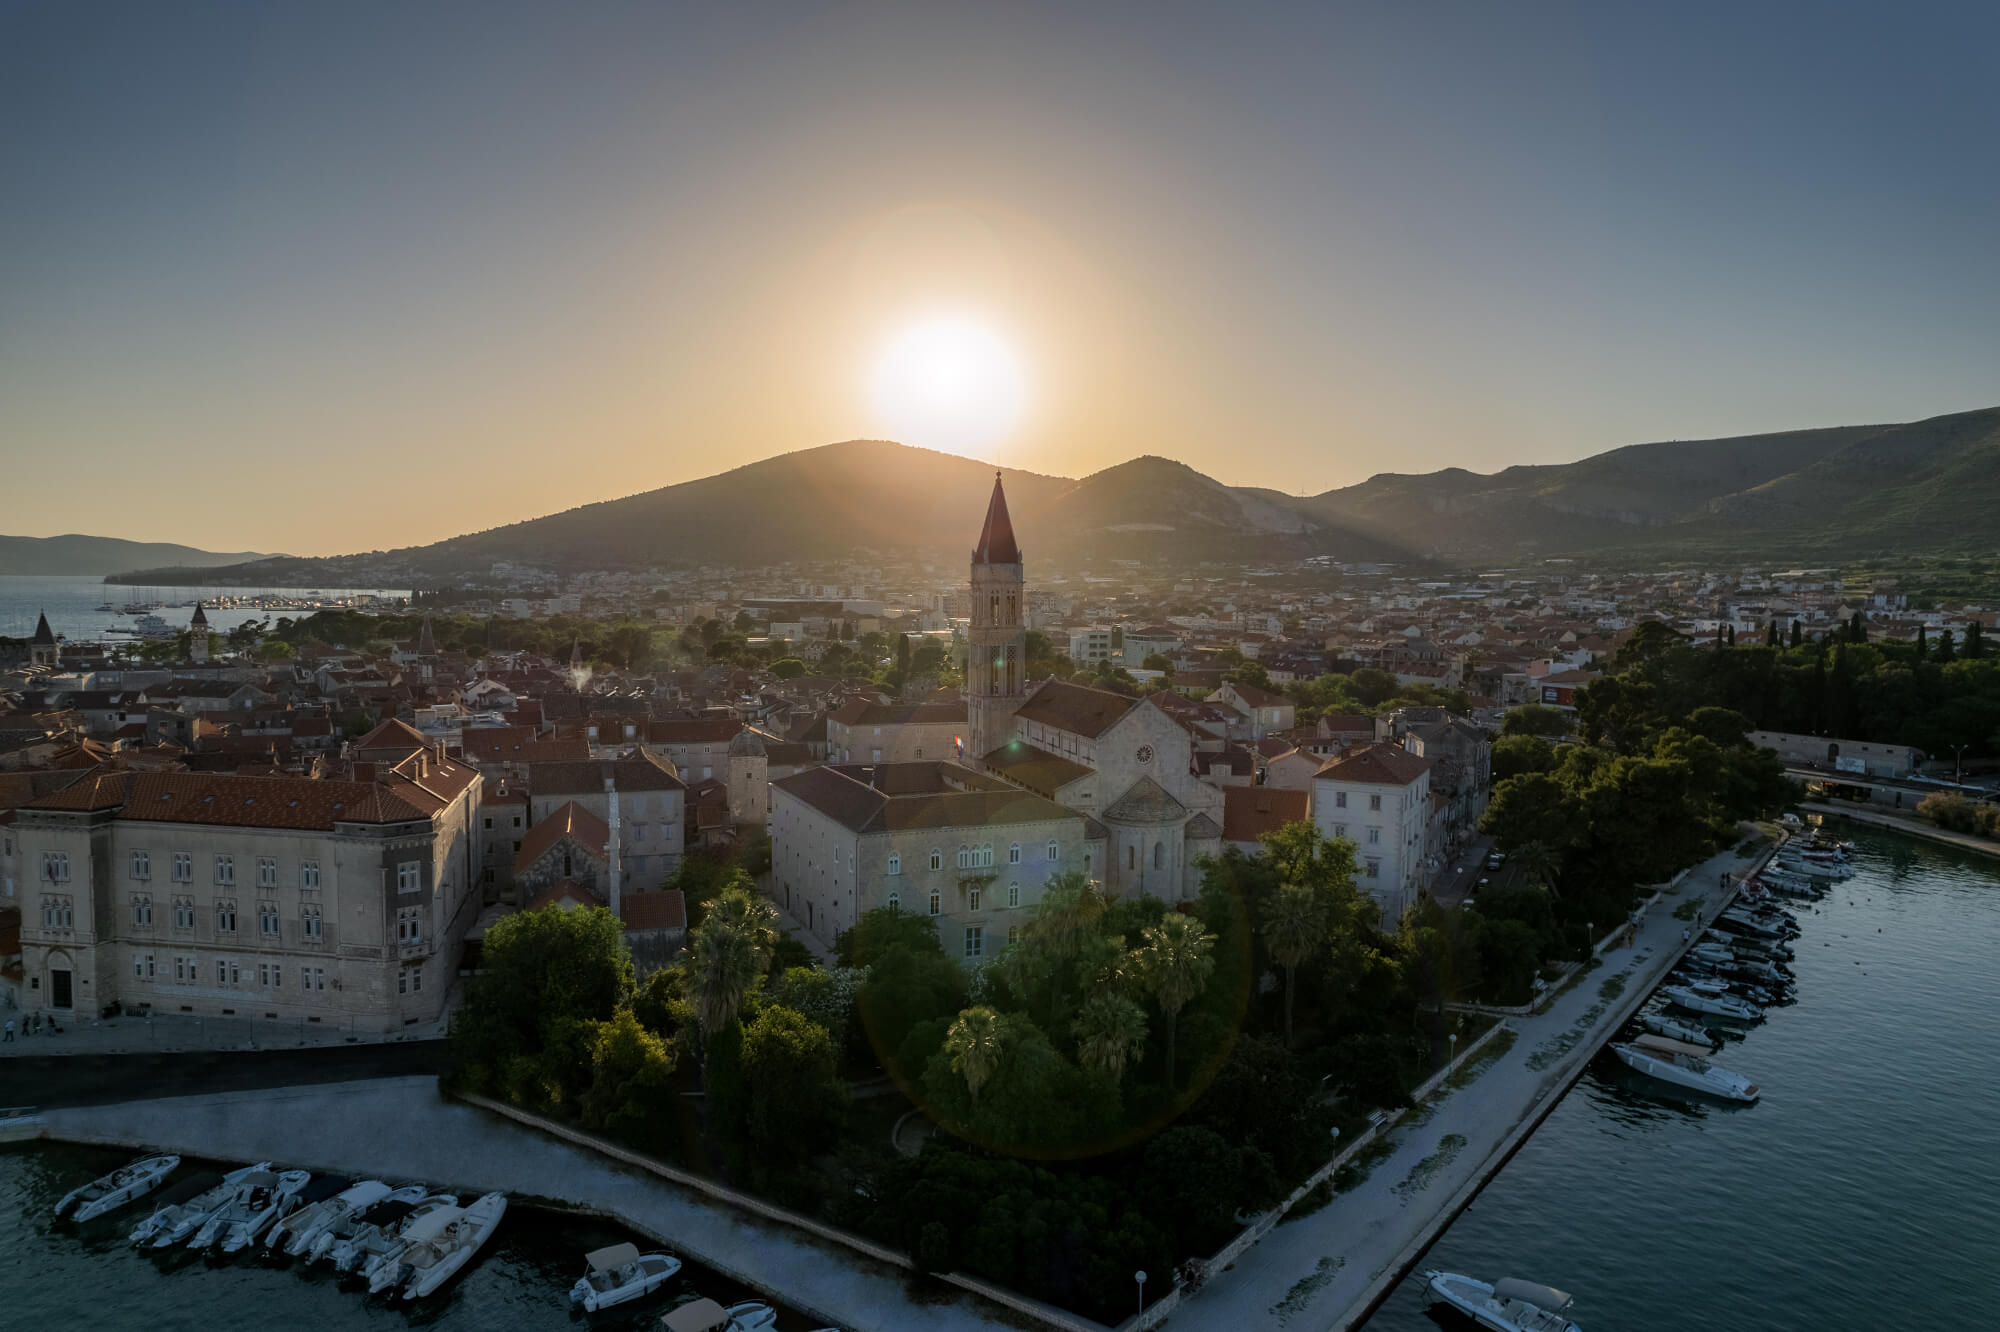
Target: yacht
x=1704, y=996
x=434, y=1260
x=1714, y=953
x=174, y=1221
x=1506, y=1305
x=620, y=1273
x=1676, y=1030
x=346, y=1224
x=262, y=1200
x=117, y=1188
x=360, y=1252
x=323, y=1200
x=1650, y=1055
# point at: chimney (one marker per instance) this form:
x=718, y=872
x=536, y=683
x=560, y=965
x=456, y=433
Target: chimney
x=611, y=819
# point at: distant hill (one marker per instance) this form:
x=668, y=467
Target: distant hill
x=60, y=555
x=1928, y=486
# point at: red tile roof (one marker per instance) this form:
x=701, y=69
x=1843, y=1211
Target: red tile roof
x=1378, y=764
x=572, y=821
x=1075, y=708
x=1248, y=812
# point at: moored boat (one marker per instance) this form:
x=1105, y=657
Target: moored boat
x=175, y=1221
x=1506, y=1305
x=620, y=1273
x=1708, y=997
x=438, y=1258
x=360, y=1252
x=260, y=1201
x=1674, y=1029
x=1685, y=1069
x=391, y=1207
x=117, y=1188
x=317, y=1203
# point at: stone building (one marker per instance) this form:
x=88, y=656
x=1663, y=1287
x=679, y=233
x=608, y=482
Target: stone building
x=338, y=901
x=1378, y=796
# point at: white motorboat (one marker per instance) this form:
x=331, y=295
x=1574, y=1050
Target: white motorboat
x=175, y=1221
x=750, y=1316
x=1708, y=997
x=391, y=1207
x=620, y=1273
x=294, y=1235
x=1675, y=1030
x=1506, y=1305
x=251, y=1212
x=1717, y=953
x=117, y=1188
x=436, y=1259
x=391, y=1269
x=370, y=1244
x=1686, y=1070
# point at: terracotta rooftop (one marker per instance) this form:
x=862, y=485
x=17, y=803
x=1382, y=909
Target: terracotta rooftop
x=842, y=795
x=1248, y=812
x=638, y=772
x=1379, y=764
x=1037, y=769
x=571, y=820
x=1075, y=708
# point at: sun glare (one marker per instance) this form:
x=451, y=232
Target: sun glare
x=949, y=383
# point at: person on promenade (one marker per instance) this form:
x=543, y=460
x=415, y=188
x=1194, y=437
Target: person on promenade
x=10, y=1029
x=1684, y=936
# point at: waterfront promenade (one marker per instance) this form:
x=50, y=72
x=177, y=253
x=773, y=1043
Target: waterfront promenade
x=401, y=1128
x=1327, y=1271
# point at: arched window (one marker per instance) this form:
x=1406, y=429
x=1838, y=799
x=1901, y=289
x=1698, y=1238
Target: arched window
x=964, y=858
x=993, y=610
x=895, y=865
x=1131, y=857
x=1013, y=895
x=1159, y=855
x=895, y=902
x=972, y=900
x=936, y=901
x=937, y=859
x=1014, y=854
x=1086, y=864
x=1010, y=608
x=1055, y=851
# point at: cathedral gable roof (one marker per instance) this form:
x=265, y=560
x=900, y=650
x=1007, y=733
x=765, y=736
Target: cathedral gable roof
x=1146, y=802
x=1075, y=708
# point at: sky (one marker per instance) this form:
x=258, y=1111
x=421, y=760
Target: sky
x=323, y=278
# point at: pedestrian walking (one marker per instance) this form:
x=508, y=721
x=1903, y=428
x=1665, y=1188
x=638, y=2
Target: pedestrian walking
x=10, y=1029
x=35, y=1024
x=1684, y=936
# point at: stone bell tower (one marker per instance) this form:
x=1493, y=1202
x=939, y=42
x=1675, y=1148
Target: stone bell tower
x=996, y=663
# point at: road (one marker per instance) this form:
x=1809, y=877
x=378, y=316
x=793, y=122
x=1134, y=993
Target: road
x=1329, y=1270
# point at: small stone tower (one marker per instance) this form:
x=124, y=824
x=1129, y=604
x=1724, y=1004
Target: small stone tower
x=42, y=649
x=198, y=636
x=996, y=662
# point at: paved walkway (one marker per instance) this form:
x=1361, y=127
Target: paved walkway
x=1328, y=1270
x=401, y=1128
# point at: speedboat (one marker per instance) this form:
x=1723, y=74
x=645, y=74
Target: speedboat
x=345, y=1225
x=251, y=1211
x=1708, y=997
x=620, y=1273
x=117, y=1188
x=369, y=1245
x=432, y=1262
x=175, y=1221
x=705, y=1315
x=1713, y=952
x=1675, y=1030
x=1683, y=1068
x=1506, y=1305
x=1765, y=973
x=750, y=1316
x=324, y=1200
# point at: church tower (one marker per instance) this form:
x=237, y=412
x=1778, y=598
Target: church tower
x=996, y=663
x=198, y=636
x=43, y=649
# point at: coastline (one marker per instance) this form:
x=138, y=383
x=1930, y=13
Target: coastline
x=1912, y=827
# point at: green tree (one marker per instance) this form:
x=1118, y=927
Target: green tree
x=1296, y=923
x=275, y=649
x=631, y=1094
x=797, y=1099
x=1534, y=719
x=975, y=1043
x=1175, y=960
x=1156, y=661
x=1110, y=1030
x=788, y=668
x=1516, y=754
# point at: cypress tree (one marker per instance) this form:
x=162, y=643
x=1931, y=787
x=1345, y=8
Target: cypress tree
x=1798, y=634
x=1771, y=634
x=1944, y=652
x=1923, y=646
x=1975, y=644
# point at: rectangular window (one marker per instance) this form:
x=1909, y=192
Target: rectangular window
x=409, y=925
x=222, y=973
x=1375, y=802
x=1374, y=868
x=263, y=973
x=1340, y=800
x=183, y=867
x=1013, y=934
x=309, y=875
x=410, y=876
x=402, y=982
x=142, y=865
x=267, y=872
x=225, y=869
x=972, y=899
x=975, y=940
x=1340, y=830
x=277, y=975
x=1374, y=837
x=180, y=968
x=55, y=866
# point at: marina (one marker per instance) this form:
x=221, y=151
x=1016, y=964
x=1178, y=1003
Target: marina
x=88, y=610
x=1647, y=1200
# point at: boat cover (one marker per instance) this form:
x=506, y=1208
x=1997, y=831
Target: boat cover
x=614, y=1255
x=431, y=1224
x=1668, y=1045
x=1527, y=1292
x=703, y=1315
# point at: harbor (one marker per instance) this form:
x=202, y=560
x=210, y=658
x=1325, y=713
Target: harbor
x=1646, y=1201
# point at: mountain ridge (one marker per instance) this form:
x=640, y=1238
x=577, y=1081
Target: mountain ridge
x=78, y=554
x=1920, y=486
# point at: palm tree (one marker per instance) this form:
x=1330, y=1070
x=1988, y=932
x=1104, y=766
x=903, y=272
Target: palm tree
x=1176, y=959
x=1109, y=1029
x=1539, y=863
x=975, y=1043
x=1296, y=924
x=1070, y=908
x=733, y=946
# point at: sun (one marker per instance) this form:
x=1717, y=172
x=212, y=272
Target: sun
x=951, y=383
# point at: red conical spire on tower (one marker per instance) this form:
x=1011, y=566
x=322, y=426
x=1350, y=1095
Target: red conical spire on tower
x=996, y=539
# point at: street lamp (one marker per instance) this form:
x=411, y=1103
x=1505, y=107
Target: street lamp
x=1140, y=1277
x=1589, y=939
x=1958, y=762
x=1450, y=1073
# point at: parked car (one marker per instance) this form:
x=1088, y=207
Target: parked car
x=1496, y=860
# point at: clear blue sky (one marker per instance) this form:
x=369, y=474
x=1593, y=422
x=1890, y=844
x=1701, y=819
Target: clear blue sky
x=324, y=277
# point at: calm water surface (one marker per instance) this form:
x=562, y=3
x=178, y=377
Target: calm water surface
x=72, y=602
x=1862, y=1191
x=56, y=1277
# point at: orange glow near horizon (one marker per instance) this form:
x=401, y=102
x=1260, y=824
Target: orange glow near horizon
x=949, y=382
